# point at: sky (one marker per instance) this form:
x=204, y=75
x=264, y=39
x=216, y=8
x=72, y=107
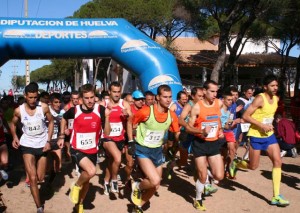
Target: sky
x=36, y=9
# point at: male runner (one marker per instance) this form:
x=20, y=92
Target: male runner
x=35, y=142
x=89, y=120
x=205, y=116
x=260, y=114
x=152, y=124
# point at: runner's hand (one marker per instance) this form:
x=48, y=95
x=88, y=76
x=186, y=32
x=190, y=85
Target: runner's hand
x=47, y=147
x=60, y=143
x=16, y=143
x=267, y=127
x=131, y=147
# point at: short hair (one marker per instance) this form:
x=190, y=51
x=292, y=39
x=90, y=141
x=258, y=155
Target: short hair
x=277, y=116
x=74, y=92
x=86, y=88
x=162, y=88
x=103, y=94
x=114, y=84
x=180, y=93
x=208, y=82
x=55, y=95
x=148, y=93
x=269, y=78
x=226, y=94
x=247, y=87
x=233, y=89
x=31, y=88
x=124, y=95
x=65, y=93
x=43, y=94
x=195, y=90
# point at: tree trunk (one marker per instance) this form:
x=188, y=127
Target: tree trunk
x=97, y=63
x=296, y=91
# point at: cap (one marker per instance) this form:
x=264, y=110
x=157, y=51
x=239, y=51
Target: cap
x=137, y=94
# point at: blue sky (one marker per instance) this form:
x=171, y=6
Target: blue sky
x=36, y=9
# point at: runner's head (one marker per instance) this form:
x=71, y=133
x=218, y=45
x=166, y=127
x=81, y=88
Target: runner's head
x=55, y=101
x=75, y=97
x=248, y=91
x=197, y=94
x=210, y=90
x=87, y=94
x=31, y=94
x=164, y=95
x=227, y=99
x=115, y=91
x=138, y=99
x=182, y=98
x=270, y=84
x=66, y=96
x=44, y=97
x=149, y=98
x=235, y=93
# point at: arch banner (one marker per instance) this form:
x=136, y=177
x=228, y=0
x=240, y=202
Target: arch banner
x=25, y=38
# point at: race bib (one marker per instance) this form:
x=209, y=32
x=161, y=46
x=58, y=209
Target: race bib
x=34, y=128
x=70, y=123
x=55, y=132
x=268, y=121
x=214, y=128
x=85, y=141
x=245, y=127
x=154, y=137
x=116, y=129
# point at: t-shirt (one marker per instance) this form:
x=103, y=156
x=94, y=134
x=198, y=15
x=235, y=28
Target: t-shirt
x=143, y=114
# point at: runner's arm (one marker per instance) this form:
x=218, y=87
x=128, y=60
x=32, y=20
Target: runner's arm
x=193, y=116
x=13, y=126
x=129, y=121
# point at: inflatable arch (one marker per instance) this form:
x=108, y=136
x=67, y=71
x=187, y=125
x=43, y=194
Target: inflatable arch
x=76, y=38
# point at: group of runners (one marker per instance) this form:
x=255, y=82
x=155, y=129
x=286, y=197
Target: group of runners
x=147, y=129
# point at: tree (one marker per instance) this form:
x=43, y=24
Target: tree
x=227, y=19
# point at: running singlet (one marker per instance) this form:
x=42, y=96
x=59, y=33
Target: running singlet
x=87, y=129
x=151, y=132
x=209, y=116
x=264, y=115
x=56, y=126
x=34, y=128
x=2, y=135
x=117, y=121
x=179, y=109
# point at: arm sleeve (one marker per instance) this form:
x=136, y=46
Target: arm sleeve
x=70, y=114
x=141, y=115
x=175, y=124
x=102, y=114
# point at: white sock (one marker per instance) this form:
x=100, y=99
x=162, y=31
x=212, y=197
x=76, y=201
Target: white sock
x=207, y=180
x=199, y=190
x=209, y=174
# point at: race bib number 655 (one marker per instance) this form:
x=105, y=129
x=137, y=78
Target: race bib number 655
x=86, y=140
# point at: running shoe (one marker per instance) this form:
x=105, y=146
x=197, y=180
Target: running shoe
x=243, y=164
x=114, y=187
x=106, y=188
x=80, y=208
x=4, y=175
x=283, y=153
x=74, y=193
x=138, y=209
x=27, y=182
x=294, y=153
x=279, y=200
x=40, y=209
x=209, y=189
x=136, y=195
x=233, y=168
x=198, y=204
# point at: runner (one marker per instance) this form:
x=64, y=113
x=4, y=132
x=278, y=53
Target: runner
x=205, y=116
x=149, y=98
x=35, y=142
x=89, y=119
x=113, y=143
x=3, y=148
x=260, y=114
x=74, y=101
x=152, y=124
x=54, y=156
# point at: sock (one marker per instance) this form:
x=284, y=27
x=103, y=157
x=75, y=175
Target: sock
x=199, y=190
x=209, y=173
x=276, y=177
x=207, y=180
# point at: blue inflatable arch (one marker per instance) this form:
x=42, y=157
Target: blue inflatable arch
x=88, y=38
